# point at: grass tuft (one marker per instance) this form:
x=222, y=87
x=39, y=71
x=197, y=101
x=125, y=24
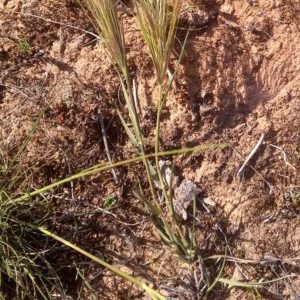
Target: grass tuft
x=25, y=272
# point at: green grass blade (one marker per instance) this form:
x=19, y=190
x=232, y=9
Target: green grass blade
x=155, y=210
x=101, y=167
x=22, y=148
x=103, y=263
x=131, y=136
x=218, y=276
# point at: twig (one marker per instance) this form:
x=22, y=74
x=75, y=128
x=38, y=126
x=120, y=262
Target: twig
x=257, y=172
x=290, y=260
x=135, y=98
x=15, y=89
x=170, y=75
x=67, y=162
x=106, y=144
x=62, y=24
x=226, y=240
x=256, y=31
x=251, y=154
x=284, y=157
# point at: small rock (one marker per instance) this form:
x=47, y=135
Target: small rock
x=227, y=8
x=184, y=196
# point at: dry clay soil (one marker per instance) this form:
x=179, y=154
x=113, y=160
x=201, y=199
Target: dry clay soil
x=238, y=82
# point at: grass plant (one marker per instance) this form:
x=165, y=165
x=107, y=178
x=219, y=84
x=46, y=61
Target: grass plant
x=105, y=18
x=25, y=272
x=22, y=257
x=158, y=28
x=27, y=231
x=158, y=22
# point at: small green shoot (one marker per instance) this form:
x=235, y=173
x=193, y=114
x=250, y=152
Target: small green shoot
x=24, y=46
x=109, y=201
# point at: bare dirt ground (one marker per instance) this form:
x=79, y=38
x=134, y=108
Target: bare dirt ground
x=239, y=80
